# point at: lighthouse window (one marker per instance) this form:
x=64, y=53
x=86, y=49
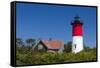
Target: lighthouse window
x=75, y=45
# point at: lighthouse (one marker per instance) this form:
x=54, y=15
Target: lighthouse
x=77, y=35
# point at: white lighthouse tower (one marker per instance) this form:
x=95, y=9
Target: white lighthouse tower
x=77, y=36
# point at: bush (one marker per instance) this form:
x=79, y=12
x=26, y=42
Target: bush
x=68, y=47
x=27, y=56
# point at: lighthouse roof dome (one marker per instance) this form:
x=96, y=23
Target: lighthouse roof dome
x=76, y=20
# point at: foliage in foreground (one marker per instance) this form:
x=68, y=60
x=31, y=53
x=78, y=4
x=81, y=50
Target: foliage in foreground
x=26, y=56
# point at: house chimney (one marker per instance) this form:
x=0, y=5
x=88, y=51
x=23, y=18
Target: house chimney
x=50, y=39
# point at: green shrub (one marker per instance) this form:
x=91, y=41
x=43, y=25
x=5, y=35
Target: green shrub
x=27, y=56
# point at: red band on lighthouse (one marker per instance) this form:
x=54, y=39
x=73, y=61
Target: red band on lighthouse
x=77, y=29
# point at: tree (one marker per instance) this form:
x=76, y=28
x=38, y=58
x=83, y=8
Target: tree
x=68, y=47
x=86, y=48
x=30, y=41
x=19, y=42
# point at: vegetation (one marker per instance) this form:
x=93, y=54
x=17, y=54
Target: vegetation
x=26, y=56
x=30, y=41
x=68, y=47
x=19, y=42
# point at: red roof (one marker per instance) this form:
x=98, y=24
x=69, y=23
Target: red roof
x=52, y=44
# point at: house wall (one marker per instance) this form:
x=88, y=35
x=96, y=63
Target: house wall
x=40, y=47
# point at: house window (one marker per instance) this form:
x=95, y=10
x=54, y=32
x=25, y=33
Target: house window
x=40, y=47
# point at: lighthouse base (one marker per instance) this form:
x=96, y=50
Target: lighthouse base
x=77, y=44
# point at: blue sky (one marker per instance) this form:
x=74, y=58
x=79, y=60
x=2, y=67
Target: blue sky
x=54, y=21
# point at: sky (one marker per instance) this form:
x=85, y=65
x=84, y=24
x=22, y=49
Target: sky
x=54, y=21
